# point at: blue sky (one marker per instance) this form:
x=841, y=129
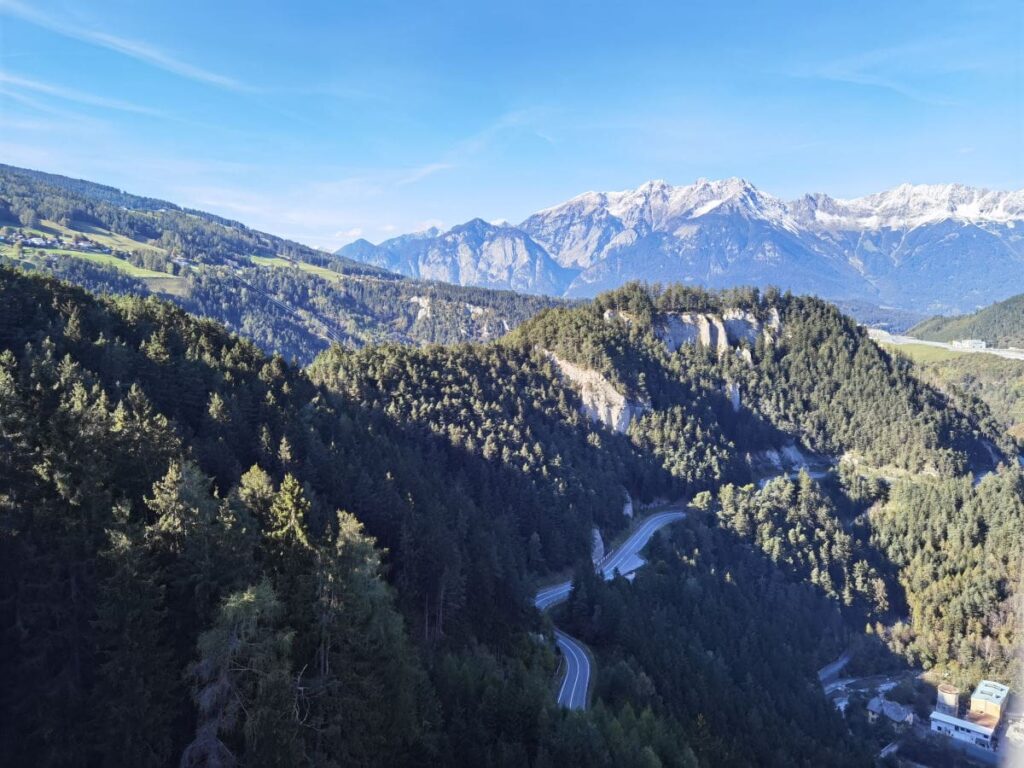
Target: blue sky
x=326, y=121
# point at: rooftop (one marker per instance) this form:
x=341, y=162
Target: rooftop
x=983, y=719
x=990, y=691
x=895, y=712
x=985, y=728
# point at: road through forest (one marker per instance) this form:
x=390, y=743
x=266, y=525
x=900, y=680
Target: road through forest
x=624, y=559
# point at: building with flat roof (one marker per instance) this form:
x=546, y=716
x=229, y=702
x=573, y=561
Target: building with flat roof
x=978, y=725
x=989, y=698
x=965, y=730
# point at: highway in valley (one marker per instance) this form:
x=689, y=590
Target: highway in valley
x=884, y=337
x=624, y=559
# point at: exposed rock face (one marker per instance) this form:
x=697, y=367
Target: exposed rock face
x=423, y=305
x=893, y=248
x=601, y=401
x=618, y=314
x=732, y=391
x=597, y=548
x=741, y=326
x=627, y=508
x=719, y=333
x=689, y=328
x=788, y=458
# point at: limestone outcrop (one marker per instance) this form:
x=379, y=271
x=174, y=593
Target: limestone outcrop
x=597, y=547
x=602, y=402
x=720, y=333
x=788, y=458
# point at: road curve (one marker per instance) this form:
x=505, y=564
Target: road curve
x=625, y=558
x=573, y=692
x=830, y=671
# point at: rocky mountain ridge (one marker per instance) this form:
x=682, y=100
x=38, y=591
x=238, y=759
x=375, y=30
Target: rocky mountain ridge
x=915, y=247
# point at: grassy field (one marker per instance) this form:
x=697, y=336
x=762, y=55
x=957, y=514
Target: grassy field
x=104, y=259
x=279, y=263
x=924, y=353
x=112, y=261
x=101, y=236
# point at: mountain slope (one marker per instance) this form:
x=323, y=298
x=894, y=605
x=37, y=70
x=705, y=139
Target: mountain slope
x=181, y=571
x=1000, y=325
x=996, y=381
x=803, y=373
x=289, y=298
x=158, y=227
x=475, y=253
x=207, y=553
x=919, y=248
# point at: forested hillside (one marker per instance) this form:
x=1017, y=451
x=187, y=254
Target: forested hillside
x=996, y=381
x=211, y=556
x=958, y=550
x=1000, y=324
x=707, y=633
x=179, y=505
x=29, y=197
x=288, y=298
x=817, y=379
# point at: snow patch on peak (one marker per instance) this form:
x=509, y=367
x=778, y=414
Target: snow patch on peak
x=659, y=205
x=913, y=205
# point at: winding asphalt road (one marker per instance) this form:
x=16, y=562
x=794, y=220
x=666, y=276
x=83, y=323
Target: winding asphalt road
x=623, y=559
x=831, y=671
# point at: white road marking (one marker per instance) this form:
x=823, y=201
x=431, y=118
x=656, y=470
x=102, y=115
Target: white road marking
x=577, y=664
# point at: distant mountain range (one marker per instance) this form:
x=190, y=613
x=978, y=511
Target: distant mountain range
x=924, y=248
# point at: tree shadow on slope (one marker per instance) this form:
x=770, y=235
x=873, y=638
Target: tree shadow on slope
x=715, y=634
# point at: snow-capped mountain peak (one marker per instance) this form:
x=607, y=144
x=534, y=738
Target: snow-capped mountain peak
x=913, y=205
x=906, y=246
x=660, y=200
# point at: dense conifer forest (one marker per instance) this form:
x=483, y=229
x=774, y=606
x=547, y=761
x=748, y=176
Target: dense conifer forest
x=1000, y=324
x=997, y=381
x=211, y=556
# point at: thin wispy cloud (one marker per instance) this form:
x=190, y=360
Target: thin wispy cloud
x=315, y=208
x=917, y=70
x=79, y=97
x=853, y=77
x=465, y=149
x=418, y=174
x=35, y=104
x=516, y=120
x=135, y=49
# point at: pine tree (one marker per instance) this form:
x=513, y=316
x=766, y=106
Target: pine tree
x=256, y=491
x=137, y=682
x=364, y=689
x=243, y=687
x=289, y=513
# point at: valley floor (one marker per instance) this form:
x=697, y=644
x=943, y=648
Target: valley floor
x=888, y=339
